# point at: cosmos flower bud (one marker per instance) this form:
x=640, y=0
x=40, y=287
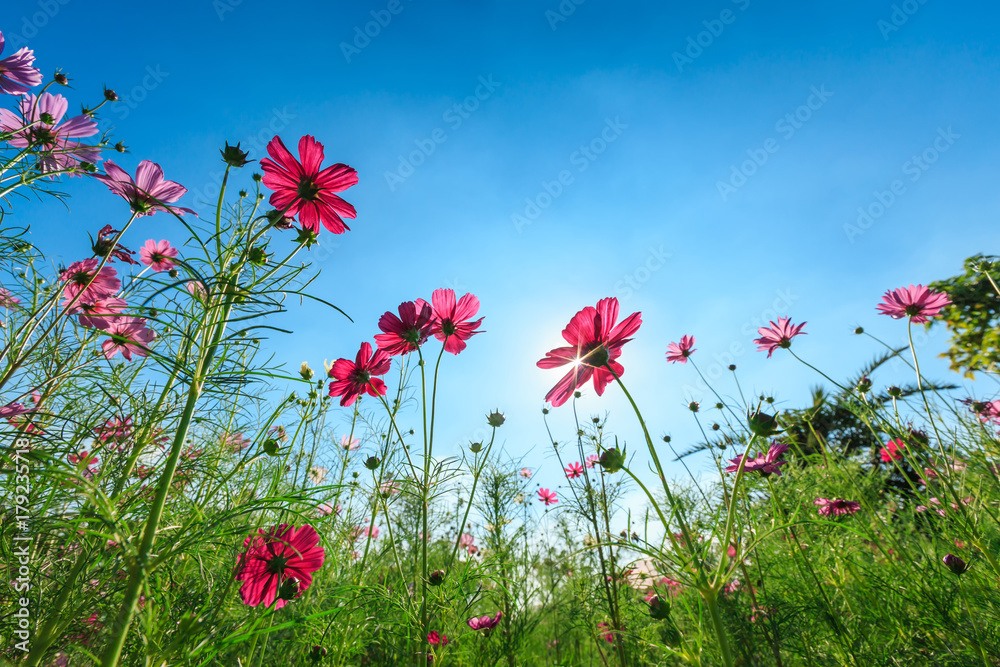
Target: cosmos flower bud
x=895, y=392
x=693, y=406
x=307, y=237
x=495, y=419
x=271, y=447
x=305, y=371
x=659, y=608
x=289, y=589
x=257, y=256
x=110, y=95
x=233, y=156
x=762, y=424
x=120, y=147
x=612, y=460
x=859, y=330
x=61, y=79
x=372, y=462
x=317, y=653
x=732, y=367
x=436, y=578
x=475, y=447
x=955, y=564
x=172, y=273
x=864, y=385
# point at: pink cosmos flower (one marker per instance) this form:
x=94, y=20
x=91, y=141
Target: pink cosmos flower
x=100, y=312
x=235, y=442
x=916, y=302
x=16, y=72
x=13, y=410
x=115, y=430
x=7, y=299
x=765, y=463
x=987, y=411
x=324, y=509
x=407, y=332
x=436, y=639
x=452, y=321
x=606, y=633
x=893, y=450
x=300, y=188
x=158, y=255
x=348, y=444
x=277, y=565
x=38, y=127
x=467, y=542
x=679, y=352
x=196, y=288
x=836, y=506
x=777, y=335
x=547, y=497
x=86, y=461
x=485, y=623
x=356, y=378
x=573, y=470
x=129, y=336
x=105, y=246
x=595, y=342
x=364, y=531
x=592, y=460
x=525, y=473
x=82, y=278
x=148, y=193
x=317, y=474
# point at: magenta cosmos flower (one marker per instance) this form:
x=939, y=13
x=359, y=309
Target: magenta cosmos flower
x=278, y=564
x=916, y=302
x=765, y=463
x=158, y=255
x=129, y=336
x=452, y=320
x=485, y=623
x=105, y=246
x=547, y=497
x=406, y=332
x=13, y=410
x=573, y=470
x=148, y=193
x=40, y=127
x=100, y=312
x=434, y=638
x=16, y=72
x=595, y=342
x=893, y=450
x=84, y=280
x=354, y=378
x=777, y=335
x=679, y=352
x=836, y=506
x=7, y=299
x=300, y=188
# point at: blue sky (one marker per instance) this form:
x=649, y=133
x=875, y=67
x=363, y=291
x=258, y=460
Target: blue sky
x=713, y=159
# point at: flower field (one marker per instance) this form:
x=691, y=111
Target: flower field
x=174, y=496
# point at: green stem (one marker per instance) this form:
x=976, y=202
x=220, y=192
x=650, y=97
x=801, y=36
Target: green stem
x=138, y=574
